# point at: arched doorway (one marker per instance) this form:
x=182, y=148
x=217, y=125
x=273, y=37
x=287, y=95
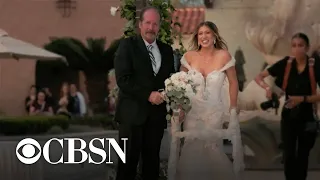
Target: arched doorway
x=52, y=74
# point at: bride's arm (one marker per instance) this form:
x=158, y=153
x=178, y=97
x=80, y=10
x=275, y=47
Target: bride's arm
x=233, y=86
x=233, y=82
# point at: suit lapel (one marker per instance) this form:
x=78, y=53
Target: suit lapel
x=146, y=57
x=145, y=54
x=162, y=53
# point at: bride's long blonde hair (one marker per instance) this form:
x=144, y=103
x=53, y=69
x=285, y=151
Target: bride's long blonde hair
x=220, y=42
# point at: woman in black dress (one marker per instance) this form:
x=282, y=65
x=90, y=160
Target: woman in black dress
x=40, y=106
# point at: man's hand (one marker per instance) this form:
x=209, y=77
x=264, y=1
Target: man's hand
x=156, y=98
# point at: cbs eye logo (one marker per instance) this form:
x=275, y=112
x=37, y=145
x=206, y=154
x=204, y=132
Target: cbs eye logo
x=26, y=151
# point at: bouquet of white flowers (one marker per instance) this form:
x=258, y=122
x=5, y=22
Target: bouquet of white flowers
x=178, y=90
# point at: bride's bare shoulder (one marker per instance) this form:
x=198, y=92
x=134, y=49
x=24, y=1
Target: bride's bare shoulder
x=224, y=55
x=190, y=55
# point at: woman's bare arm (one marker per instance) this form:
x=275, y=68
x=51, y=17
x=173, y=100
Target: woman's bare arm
x=260, y=79
x=233, y=80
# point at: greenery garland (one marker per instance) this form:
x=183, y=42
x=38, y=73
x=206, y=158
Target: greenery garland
x=167, y=33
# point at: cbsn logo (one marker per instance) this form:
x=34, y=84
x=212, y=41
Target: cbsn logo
x=28, y=150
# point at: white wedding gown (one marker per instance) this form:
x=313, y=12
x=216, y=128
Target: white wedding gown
x=202, y=156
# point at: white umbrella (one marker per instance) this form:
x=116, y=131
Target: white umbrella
x=14, y=48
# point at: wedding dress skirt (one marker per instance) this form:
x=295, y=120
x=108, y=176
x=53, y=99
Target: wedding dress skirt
x=199, y=161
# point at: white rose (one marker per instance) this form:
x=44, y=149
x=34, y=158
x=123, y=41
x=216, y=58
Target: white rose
x=169, y=87
x=182, y=79
x=113, y=10
x=182, y=73
x=172, y=80
x=175, y=82
x=189, y=88
x=176, y=88
x=188, y=78
x=167, y=81
x=181, y=84
x=174, y=77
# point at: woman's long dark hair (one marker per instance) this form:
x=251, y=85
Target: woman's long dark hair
x=36, y=100
x=61, y=89
x=220, y=42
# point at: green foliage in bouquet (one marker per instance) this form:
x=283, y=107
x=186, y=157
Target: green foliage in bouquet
x=177, y=100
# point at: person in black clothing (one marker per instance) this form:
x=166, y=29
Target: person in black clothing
x=40, y=106
x=142, y=64
x=297, y=142
x=316, y=54
x=49, y=98
x=75, y=100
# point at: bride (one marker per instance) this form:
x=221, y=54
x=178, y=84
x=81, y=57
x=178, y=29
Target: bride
x=202, y=156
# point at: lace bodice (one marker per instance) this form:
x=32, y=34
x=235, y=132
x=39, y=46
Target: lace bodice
x=210, y=87
x=211, y=100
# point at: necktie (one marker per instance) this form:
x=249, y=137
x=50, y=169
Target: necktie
x=153, y=60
